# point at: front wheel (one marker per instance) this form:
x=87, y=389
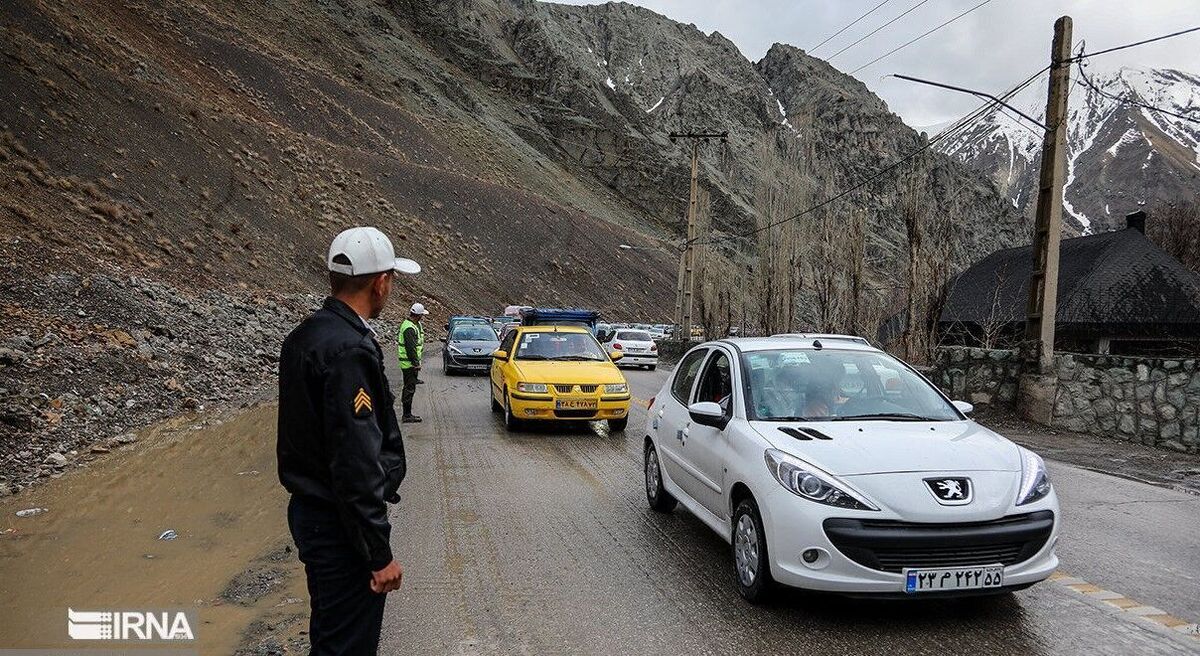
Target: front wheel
x=510, y=420
x=751, y=567
x=617, y=425
x=660, y=500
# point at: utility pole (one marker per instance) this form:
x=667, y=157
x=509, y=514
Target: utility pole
x=683, y=298
x=1043, y=284
x=1038, y=386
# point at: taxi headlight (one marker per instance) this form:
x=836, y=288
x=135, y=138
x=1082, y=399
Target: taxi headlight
x=801, y=479
x=532, y=388
x=616, y=388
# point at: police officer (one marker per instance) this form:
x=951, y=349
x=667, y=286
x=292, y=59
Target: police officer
x=410, y=348
x=339, y=447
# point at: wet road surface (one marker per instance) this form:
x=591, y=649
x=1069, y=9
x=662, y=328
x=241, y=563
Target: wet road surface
x=541, y=542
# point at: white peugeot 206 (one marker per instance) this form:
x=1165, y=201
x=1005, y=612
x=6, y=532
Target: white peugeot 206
x=830, y=465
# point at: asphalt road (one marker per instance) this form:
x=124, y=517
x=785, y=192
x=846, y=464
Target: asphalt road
x=541, y=542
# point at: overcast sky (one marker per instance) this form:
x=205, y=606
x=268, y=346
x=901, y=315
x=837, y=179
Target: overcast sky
x=990, y=49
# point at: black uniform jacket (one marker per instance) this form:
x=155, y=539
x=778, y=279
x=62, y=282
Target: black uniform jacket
x=339, y=440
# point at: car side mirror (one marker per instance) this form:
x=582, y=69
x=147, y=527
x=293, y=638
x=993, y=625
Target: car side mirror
x=964, y=407
x=708, y=413
x=499, y=354
x=615, y=355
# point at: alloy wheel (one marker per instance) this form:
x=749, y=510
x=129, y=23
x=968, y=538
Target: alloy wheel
x=745, y=549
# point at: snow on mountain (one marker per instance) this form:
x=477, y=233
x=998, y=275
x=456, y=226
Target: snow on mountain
x=1120, y=155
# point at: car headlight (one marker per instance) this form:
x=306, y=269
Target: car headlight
x=532, y=388
x=454, y=350
x=1035, y=484
x=616, y=388
x=800, y=479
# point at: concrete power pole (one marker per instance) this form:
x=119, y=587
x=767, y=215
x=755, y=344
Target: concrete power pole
x=1037, y=393
x=683, y=297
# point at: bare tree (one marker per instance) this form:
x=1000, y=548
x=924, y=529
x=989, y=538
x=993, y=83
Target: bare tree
x=781, y=191
x=1176, y=230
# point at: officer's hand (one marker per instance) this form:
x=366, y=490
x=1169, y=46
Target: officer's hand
x=387, y=579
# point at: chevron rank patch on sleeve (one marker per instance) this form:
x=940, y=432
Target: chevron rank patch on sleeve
x=362, y=403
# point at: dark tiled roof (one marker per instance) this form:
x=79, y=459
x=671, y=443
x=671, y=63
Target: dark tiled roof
x=1113, y=279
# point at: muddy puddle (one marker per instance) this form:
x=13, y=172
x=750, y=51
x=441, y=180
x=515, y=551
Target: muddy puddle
x=98, y=546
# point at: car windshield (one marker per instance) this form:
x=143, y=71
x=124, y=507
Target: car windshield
x=634, y=336
x=839, y=385
x=473, y=333
x=559, y=346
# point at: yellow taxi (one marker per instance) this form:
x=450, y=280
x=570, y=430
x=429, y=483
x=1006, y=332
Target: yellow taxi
x=560, y=373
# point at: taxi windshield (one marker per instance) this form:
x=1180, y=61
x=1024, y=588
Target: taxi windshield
x=839, y=385
x=559, y=346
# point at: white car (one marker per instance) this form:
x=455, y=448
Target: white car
x=830, y=465
x=637, y=346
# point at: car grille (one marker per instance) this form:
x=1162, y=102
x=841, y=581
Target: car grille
x=567, y=389
x=891, y=546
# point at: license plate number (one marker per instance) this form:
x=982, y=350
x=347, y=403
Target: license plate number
x=575, y=404
x=953, y=578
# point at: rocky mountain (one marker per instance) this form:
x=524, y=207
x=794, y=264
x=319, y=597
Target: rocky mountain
x=1121, y=155
x=599, y=88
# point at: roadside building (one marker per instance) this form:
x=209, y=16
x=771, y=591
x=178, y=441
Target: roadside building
x=1118, y=293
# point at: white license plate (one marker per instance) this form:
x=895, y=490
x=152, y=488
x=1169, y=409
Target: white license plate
x=953, y=578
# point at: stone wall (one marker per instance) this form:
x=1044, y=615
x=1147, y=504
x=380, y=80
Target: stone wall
x=1150, y=400
x=984, y=377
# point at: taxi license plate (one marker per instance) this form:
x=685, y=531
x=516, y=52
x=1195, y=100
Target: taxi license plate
x=575, y=404
x=917, y=580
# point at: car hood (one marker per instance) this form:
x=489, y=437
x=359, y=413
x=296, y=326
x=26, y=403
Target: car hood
x=468, y=346
x=543, y=371
x=878, y=447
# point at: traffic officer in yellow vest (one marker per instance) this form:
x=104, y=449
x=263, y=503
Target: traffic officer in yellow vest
x=410, y=347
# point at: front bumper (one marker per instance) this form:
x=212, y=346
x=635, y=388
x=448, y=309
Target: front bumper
x=544, y=407
x=865, y=552
x=469, y=362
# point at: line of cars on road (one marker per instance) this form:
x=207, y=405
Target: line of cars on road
x=826, y=463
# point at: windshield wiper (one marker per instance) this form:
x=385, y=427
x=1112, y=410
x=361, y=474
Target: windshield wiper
x=532, y=356
x=896, y=416
x=797, y=418
x=575, y=358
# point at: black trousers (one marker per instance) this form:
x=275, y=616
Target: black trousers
x=345, y=616
x=410, y=388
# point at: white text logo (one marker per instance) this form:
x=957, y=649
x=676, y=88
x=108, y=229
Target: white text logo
x=129, y=625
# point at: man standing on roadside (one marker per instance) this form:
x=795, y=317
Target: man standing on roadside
x=410, y=348
x=339, y=447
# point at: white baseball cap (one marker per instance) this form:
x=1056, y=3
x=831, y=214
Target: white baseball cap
x=418, y=308
x=365, y=250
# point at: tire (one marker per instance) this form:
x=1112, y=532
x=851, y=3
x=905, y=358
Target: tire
x=659, y=499
x=496, y=407
x=511, y=423
x=651, y=367
x=617, y=425
x=751, y=564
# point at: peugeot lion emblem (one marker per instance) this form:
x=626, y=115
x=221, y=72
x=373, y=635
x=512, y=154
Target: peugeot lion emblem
x=950, y=491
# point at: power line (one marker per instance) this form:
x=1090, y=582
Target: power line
x=874, y=31
x=848, y=26
x=949, y=132
x=1143, y=42
x=851, y=24
x=902, y=47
